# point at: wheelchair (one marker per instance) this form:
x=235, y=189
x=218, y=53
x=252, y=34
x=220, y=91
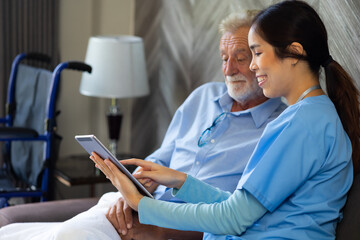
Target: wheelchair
x=28, y=131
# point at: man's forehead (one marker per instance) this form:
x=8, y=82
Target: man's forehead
x=238, y=45
x=236, y=39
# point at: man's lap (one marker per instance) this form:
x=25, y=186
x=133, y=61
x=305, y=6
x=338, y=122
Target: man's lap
x=91, y=224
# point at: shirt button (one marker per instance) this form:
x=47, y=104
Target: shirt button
x=197, y=162
x=212, y=140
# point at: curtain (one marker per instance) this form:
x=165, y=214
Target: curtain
x=181, y=46
x=26, y=26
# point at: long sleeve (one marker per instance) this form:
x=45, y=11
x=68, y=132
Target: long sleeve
x=195, y=191
x=231, y=216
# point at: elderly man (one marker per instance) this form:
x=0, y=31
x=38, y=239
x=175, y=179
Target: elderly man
x=211, y=137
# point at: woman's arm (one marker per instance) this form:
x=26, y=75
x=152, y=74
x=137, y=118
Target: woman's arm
x=232, y=216
x=194, y=191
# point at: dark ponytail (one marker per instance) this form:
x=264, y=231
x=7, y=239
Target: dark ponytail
x=295, y=21
x=345, y=96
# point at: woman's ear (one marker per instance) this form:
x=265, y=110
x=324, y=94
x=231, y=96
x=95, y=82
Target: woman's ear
x=297, y=49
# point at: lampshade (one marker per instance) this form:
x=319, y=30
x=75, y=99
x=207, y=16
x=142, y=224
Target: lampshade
x=118, y=68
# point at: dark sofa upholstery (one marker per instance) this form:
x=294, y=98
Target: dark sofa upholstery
x=349, y=227
x=52, y=211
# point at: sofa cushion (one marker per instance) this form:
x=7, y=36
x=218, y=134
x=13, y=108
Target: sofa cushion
x=52, y=211
x=349, y=227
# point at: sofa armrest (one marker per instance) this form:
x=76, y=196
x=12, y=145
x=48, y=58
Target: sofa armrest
x=52, y=211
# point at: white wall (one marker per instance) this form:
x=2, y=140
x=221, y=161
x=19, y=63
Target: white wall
x=80, y=114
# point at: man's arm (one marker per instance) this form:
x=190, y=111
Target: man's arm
x=148, y=232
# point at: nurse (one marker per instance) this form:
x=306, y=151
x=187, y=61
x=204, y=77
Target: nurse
x=296, y=181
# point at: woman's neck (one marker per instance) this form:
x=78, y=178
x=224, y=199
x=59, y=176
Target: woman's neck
x=304, y=80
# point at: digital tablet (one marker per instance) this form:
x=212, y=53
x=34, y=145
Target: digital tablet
x=91, y=144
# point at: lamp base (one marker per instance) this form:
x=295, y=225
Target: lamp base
x=113, y=146
x=114, y=118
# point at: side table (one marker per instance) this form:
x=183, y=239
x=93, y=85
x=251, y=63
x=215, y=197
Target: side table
x=79, y=170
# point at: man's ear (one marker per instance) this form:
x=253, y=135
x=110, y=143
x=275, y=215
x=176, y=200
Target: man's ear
x=297, y=49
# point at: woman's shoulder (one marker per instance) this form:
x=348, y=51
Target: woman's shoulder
x=319, y=109
x=312, y=108
x=311, y=115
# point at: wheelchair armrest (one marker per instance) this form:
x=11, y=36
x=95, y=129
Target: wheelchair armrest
x=12, y=133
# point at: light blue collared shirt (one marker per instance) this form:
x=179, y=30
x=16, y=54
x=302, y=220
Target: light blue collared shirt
x=222, y=160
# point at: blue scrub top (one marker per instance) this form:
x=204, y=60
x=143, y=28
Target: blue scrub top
x=301, y=171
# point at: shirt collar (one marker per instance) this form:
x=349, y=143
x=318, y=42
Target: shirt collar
x=259, y=113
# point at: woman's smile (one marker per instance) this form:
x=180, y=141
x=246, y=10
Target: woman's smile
x=261, y=79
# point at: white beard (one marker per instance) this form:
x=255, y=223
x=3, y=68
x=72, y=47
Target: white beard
x=241, y=89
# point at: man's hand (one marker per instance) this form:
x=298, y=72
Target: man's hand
x=120, y=215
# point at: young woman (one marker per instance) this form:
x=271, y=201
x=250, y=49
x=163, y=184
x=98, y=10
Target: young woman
x=295, y=183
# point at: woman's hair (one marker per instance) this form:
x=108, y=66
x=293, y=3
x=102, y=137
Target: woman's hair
x=295, y=21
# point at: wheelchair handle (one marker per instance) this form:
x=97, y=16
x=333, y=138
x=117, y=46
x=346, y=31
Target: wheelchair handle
x=80, y=66
x=38, y=56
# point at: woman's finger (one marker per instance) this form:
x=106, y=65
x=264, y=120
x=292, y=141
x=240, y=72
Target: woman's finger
x=100, y=164
x=138, y=162
x=151, y=175
x=119, y=180
x=149, y=184
x=113, y=169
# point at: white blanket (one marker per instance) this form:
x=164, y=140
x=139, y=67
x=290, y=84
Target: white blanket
x=89, y=225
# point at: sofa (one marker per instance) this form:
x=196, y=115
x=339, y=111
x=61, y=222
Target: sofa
x=61, y=210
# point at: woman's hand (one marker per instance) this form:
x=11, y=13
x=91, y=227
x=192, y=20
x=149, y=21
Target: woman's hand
x=119, y=180
x=159, y=174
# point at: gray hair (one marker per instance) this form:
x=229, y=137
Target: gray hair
x=237, y=20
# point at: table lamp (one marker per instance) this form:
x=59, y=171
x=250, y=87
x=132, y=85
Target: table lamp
x=118, y=71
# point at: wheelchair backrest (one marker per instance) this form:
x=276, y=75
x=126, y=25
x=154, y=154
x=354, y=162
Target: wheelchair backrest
x=31, y=96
